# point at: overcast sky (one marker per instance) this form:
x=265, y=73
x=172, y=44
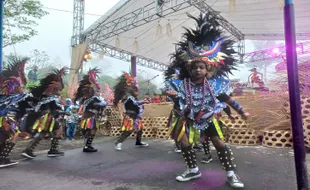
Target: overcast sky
x=55, y=31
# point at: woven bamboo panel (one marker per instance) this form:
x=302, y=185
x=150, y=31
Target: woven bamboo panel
x=306, y=126
x=278, y=139
x=160, y=122
x=115, y=131
x=243, y=137
x=147, y=133
x=305, y=106
x=238, y=123
x=263, y=109
x=162, y=133
x=106, y=129
x=157, y=110
x=115, y=118
x=133, y=135
x=286, y=107
x=147, y=122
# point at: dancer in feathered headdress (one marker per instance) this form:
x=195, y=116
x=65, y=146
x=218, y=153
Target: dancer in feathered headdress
x=92, y=105
x=43, y=121
x=13, y=105
x=206, y=58
x=127, y=91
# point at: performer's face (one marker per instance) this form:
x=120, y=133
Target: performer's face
x=199, y=69
x=135, y=92
x=18, y=89
x=58, y=91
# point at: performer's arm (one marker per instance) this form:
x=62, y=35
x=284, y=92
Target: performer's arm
x=233, y=103
x=249, y=77
x=227, y=111
x=101, y=104
x=61, y=112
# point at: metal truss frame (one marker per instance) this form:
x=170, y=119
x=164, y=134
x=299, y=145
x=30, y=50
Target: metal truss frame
x=204, y=7
x=78, y=22
x=144, y=15
x=150, y=13
x=126, y=56
x=136, y=18
x=281, y=35
x=268, y=54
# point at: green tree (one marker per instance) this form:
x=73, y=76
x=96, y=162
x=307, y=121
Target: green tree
x=144, y=88
x=111, y=81
x=40, y=59
x=20, y=18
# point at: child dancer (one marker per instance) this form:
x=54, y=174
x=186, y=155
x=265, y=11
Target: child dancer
x=203, y=92
x=92, y=106
x=127, y=91
x=13, y=105
x=43, y=120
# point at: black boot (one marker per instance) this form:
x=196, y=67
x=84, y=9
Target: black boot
x=54, y=152
x=138, y=139
x=207, y=157
x=5, y=151
x=28, y=153
x=226, y=158
x=88, y=144
x=121, y=139
x=192, y=172
x=177, y=148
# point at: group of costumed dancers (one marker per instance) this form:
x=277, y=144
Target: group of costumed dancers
x=196, y=82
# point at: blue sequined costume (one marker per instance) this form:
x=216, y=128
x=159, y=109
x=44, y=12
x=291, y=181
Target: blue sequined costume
x=186, y=120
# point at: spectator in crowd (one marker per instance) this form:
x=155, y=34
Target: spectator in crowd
x=72, y=121
x=156, y=98
x=68, y=103
x=147, y=98
x=163, y=98
x=238, y=91
x=33, y=74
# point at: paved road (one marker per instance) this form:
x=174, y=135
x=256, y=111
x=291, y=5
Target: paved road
x=152, y=168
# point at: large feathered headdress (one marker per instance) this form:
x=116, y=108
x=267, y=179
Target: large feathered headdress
x=50, y=84
x=206, y=43
x=174, y=69
x=13, y=76
x=88, y=85
x=125, y=84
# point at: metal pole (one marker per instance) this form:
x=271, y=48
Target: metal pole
x=134, y=66
x=293, y=82
x=1, y=32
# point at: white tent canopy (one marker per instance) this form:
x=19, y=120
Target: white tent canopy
x=133, y=25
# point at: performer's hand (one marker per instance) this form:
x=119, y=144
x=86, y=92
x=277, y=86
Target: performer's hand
x=171, y=93
x=145, y=102
x=245, y=116
x=232, y=117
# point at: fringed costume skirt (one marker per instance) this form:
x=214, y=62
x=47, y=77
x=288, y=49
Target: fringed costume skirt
x=89, y=123
x=179, y=126
x=8, y=127
x=130, y=124
x=46, y=123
